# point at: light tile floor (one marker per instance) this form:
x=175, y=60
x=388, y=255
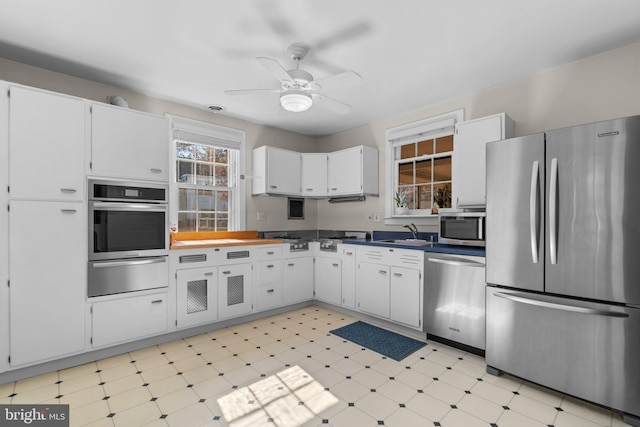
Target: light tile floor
x=287, y=370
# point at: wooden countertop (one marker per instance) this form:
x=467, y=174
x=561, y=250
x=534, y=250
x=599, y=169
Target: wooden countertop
x=217, y=239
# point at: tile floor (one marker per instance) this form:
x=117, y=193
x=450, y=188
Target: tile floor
x=287, y=370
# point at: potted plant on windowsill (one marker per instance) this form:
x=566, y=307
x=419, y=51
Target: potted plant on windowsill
x=401, y=204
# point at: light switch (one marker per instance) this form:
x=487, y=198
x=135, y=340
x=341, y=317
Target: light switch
x=261, y=216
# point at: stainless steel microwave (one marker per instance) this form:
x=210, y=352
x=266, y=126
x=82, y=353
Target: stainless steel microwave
x=462, y=228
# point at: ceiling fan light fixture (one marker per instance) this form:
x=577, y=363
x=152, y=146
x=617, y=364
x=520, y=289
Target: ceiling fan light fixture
x=295, y=101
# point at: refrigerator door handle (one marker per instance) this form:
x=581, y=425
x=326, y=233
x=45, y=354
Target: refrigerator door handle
x=534, y=220
x=556, y=306
x=553, y=212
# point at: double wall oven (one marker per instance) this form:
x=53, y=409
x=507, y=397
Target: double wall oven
x=128, y=237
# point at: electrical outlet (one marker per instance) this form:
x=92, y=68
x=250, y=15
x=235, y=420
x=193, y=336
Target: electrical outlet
x=368, y=217
x=377, y=217
x=261, y=216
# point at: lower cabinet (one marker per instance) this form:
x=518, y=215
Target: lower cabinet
x=234, y=290
x=405, y=296
x=128, y=318
x=373, y=289
x=268, y=284
x=47, y=273
x=328, y=280
x=348, y=276
x=196, y=299
x=298, y=279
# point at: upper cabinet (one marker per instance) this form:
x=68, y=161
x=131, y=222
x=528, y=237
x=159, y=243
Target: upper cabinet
x=469, y=163
x=46, y=145
x=314, y=175
x=276, y=171
x=129, y=144
x=353, y=171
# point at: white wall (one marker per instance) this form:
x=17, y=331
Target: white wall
x=256, y=135
x=602, y=87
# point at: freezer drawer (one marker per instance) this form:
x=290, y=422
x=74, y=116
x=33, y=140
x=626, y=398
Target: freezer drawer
x=584, y=349
x=454, y=298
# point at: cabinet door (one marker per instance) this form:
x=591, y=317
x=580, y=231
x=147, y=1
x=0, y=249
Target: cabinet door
x=345, y=172
x=469, y=164
x=349, y=277
x=328, y=280
x=373, y=288
x=48, y=280
x=268, y=280
x=129, y=318
x=196, y=296
x=314, y=175
x=129, y=144
x=406, y=296
x=46, y=145
x=234, y=290
x=283, y=169
x=298, y=280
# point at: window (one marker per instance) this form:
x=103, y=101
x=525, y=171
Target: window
x=419, y=168
x=208, y=191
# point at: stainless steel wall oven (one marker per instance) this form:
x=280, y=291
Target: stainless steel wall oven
x=128, y=236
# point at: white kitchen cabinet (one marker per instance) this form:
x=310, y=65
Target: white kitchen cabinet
x=469, y=157
x=405, y=296
x=328, y=279
x=47, y=272
x=348, y=255
x=234, y=290
x=128, y=318
x=268, y=284
x=196, y=298
x=129, y=144
x=276, y=171
x=314, y=175
x=298, y=279
x=46, y=145
x=353, y=171
x=373, y=289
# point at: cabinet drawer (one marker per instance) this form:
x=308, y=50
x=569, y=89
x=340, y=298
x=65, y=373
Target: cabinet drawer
x=267, y=253
x=407, y=257
x=127, y=319
x=371, y=254
x=268, y=271
x=269, y=296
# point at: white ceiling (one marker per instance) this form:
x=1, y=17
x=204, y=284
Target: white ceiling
x=410, y=53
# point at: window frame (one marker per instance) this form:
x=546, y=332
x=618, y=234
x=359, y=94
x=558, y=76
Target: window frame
x=430, y=128
x=198, y=132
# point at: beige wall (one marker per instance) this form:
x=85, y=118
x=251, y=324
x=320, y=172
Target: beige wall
x=256, y=135
x=598, y=88
x=602, y=87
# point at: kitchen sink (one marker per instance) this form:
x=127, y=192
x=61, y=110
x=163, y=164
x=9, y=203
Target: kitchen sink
x=407, y=242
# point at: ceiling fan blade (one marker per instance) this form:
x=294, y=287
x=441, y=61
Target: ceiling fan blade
x=250, y=91
x=354, y=31
x=348, y=78
x=331, y=104
x=275, y=68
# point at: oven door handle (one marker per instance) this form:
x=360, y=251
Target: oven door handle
x=119, y=206
x=125, y=263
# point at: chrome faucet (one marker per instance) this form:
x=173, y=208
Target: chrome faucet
x=413, y=229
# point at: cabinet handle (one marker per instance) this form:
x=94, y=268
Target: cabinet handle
x=309, y=189
x=226, y=272
x=68, y=190
x=208, y=274
x=273, y=186
x=382, y=271
x=334, y=189
x=155, y=170
x=269, y=291
x=270, y=266
x=397, y=274
x=270, y=253
x=156, y=301
x=336, y=264
x=291, y=265
x=349, y=253
x=68, y=210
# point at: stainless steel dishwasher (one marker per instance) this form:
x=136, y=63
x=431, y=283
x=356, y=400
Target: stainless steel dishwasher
x=455, y=299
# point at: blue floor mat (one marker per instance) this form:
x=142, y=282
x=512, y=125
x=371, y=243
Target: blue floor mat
x=387, y=343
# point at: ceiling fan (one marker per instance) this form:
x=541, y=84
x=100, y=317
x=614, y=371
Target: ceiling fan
x=298, y=90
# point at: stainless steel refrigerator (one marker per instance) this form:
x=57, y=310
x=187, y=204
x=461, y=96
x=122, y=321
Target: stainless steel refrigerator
x=563, y=261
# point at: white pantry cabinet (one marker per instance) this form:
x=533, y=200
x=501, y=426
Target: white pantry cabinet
x=276, y=171
x=46, y=145
x=469, y=157
x=197, y=296
x=125, y=319
x=129, y=144
x=47, y=280
x=314, y=175
x=353, y=171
